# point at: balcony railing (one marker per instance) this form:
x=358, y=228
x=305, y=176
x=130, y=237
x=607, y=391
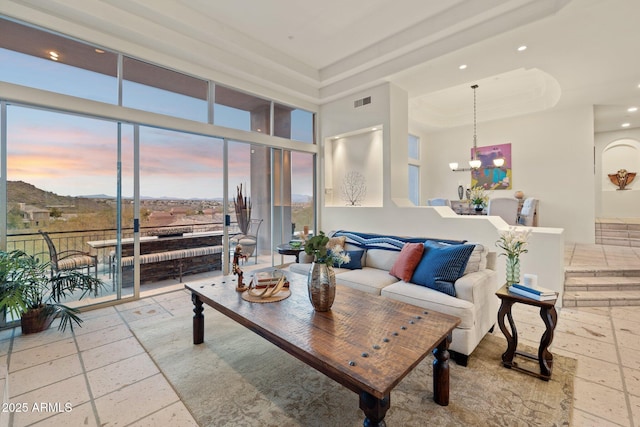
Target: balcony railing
x=33, y=243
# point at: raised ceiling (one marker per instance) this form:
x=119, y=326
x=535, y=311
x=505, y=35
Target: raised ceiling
x=580, y=52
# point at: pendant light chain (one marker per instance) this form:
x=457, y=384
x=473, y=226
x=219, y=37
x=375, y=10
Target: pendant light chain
x=475, y=138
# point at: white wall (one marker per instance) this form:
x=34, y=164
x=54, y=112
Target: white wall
x=398, y=216
x=552, y=157
x=610, y=202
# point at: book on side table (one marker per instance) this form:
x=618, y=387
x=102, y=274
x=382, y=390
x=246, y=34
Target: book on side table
x=537, y=293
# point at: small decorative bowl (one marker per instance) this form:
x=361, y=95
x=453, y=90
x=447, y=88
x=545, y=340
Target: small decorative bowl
x=295, y=243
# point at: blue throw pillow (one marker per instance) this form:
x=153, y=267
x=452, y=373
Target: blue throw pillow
x=441, y=265
x=356, y=260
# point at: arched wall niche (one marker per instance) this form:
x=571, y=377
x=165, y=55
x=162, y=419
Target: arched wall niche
x=622, y=153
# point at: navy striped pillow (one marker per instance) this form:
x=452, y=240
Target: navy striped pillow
x=441, y=265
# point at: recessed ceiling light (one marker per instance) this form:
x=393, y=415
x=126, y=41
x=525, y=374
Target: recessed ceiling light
x=626, y=125
x=632, y=109
x=53, y=53
x=462, y=67
x=522, y=48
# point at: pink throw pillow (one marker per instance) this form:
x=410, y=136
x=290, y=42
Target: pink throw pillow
x=407, y=261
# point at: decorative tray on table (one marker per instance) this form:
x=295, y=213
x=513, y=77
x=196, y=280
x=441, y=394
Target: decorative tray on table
x=269, y=286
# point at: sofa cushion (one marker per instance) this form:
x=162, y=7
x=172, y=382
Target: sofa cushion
x=370, y=280
x=407, y=261
x=477, y=260
x=443, y=264
x=355, y=260
x=336, y=241
x=381, y=259
x=432, y=300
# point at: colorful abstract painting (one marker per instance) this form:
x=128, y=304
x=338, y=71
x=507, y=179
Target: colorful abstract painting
x=489, y=176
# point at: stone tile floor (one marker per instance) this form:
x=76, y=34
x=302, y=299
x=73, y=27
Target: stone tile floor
x=105, y=378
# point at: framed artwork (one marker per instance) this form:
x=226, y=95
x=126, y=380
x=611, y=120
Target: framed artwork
x=489, y=176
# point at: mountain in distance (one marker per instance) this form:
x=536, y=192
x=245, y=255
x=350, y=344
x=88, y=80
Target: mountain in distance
x=23, y=192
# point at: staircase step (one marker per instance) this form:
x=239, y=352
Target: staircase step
x=574, y=271
x=601, y=298
x=602, y=283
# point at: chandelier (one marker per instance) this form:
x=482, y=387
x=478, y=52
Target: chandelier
x=475, y=163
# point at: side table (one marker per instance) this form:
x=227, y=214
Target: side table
x=287, y=249
x=549, y=317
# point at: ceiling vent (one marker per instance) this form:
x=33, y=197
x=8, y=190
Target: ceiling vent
x=360, y=102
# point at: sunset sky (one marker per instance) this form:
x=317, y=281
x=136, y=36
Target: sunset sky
x=74, y=155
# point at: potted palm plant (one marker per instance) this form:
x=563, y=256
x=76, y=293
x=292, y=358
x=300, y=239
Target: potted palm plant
x=28, y=291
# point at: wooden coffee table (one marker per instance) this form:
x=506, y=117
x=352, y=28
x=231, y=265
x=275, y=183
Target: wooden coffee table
x=366, y=343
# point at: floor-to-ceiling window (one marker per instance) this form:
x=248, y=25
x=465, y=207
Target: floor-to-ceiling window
x=61, y=180
x=85, y=165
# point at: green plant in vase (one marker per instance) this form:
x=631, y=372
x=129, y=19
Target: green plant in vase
x=514, y=243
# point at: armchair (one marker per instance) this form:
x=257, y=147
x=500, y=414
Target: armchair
x=69, y=260
x=249, y=241
x=528, y=212
x=504, y=207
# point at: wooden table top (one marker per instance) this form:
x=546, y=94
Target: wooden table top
x=365, y=342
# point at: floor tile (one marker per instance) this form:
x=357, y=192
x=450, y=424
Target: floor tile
x=59, y=398
x=103, y=336
x=600, y=401
x=48, y=372
x=40, y=354
x=600, y=372
x=632, y=381
x=110, y=353
x=141, y=399
x=585, y=346
x=82, y=415
x=175, y=415
x=120, y=374
x=584, y=419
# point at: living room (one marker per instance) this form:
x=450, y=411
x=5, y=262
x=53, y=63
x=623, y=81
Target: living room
x=558, y=152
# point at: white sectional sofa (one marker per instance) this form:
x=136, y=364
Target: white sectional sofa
x=475, y=302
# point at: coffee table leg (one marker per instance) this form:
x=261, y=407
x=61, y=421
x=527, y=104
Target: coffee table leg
x=374, y=409
x=441, y=372
x=198, y=320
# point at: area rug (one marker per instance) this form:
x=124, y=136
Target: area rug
x=236, y=378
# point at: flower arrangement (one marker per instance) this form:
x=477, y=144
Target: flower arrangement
x=514, y=242
x=479, y=196
x=317, y=246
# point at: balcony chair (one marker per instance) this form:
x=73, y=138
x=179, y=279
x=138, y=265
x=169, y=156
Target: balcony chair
x=439, y=202
x=69, y=260
x=528, y=212
x=504, y=207
x=249, y=241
